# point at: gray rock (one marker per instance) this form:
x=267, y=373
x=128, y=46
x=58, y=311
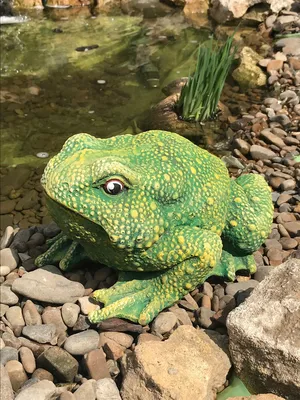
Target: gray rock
x=48, y=285
x=3, y=309
x=106, y=389
x=165, y=322
x=187, y=365
x=51, y=230
x=290, y=46
x=82, y=342
x=205, y=317
x=6, y=388
x=42, y=390
x=262, y=272
x=14, y=316
x=261, y=153
x=233, y=288
x=11, y=340
x=7, y=296
x=40, y=333
x=86, y=391
x=8, y=354
x=9, y=257
x=264, y=334
x=7, y=237
x=70, y=312
x=59, y=362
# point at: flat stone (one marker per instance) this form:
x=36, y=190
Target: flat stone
x=8, y=354
x=52, y=315
x=9, y=257
x=264, y=334
x=70, y=312
x=40, y=333
x=82, y=342
x=7, y=296
x=290, y=46
x=289, y=184
x=44, y=284
x=27, y=359
x=59, y=362
x=147, y=337
x=16, y=374
x=261, y=153
x=14, y=316
x=6, y=388
x=86, y=391
x=106, y=389
x=162, y=370
x=112, y=349
x=293, y=228
x=181, y=315
x=42, y=374
x=233, y=288
x=31, y=314
x=7, y=237
x=122, y=339
x=164, y=323
x=38, y=391
x=275, y=65
x=95, y=364
x=87, y=305
x=119, y=325
x=269, y=137
x=288, y=243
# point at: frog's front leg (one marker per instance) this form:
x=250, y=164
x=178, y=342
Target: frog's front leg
x=189, y=253
x=62, y=250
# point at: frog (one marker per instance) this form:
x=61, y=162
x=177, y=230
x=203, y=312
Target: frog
x=160, y=210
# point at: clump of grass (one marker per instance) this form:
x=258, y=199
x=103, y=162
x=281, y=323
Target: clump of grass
x=199, y=97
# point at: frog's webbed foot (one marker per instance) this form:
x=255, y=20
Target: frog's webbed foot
x=138, y=300
x=62, y=250
x=229, y=265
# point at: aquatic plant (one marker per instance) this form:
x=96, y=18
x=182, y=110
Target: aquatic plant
x=199, y=97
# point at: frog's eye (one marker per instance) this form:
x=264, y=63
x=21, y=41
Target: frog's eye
x=113, y=186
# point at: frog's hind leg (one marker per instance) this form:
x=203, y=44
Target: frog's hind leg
x=229, y=265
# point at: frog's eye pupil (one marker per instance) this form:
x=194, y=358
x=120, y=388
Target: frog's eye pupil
x=113, y=186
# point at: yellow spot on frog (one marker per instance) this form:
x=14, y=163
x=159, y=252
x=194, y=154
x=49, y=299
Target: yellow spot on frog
x=217, y=176
x=181, y=239
x=255, y=199
x=210, y=201
x=233, y=223
x=238, y=200
x=193, y=170
x=153, y=205
x=164, y=158
x=160, y=144
x=251, y=227
x=160, y=255
x=167, y=177
x=134, y=213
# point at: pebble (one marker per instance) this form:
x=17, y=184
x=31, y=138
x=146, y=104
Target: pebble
x=16, y=374
x=2, y=344
x=288, y=243
x=293, y=228
x=181, y=315
x=4, y=270
x=7, y=237
x=6, y=388
x=121, y=338
x=95, y=364
x=48, y=285
x=83, y=342
x=10, y=340
x=70, y=314
x=164, y=323
x=31, y=314
x=119, y=325
x=261, y=153
x=87, y=305
x=14, y=316
x=42, y=374
x=51, y=230
x=112, y=349
x=27, y=359
x=45, y=333
x=147, y=337
x=204, y=317
x=271, y=138
x=38, y=391
x=275, y=257
x=8, y=354
x=63, y=366
x=9, y=258
x=70, y=396
x=52, y=315
x=107, y=389
x=7, y=296
x=86, y=391
x=289, y=184
x=82, y=323
x=233, y=288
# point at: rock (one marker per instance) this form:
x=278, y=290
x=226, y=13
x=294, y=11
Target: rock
x=41, y=374
x=147, y=337
x=17, y=176
x=86, y=391
x=106, y=389
x=48, y=285
x=95, y=364
x=290, y=46
x=262, y=272
x=7, y=206
x=4, y=270
x=69, y=396
x=204, y=317
x=8, y=354
x=52, y=315
x=271, y=138
x=16, y=374
x=249, y=74
x=59, y=362
x=289, y=184
x=7, y=296
x=162, y=370
x=40, y=333
x=261, y=153
x=242, y=145
x=274, y=65
x=9, y=257
x=27, y=359
x=122, y=339
x=181, y=315
x=82, y=343
x=31, y=314
x=264, y=334
x=51, y=230
x=14, y=316
x=6, y=388
x=113, y=350
x=42, y=390
x=70, y=312
x=7, y=237
x=82, y=323
x=233, y=288
x=266, y=396
x=119, y=325
x=10, y=340
x=87, y=305
x=164, y=323
x=226, y=10
x=293, y=228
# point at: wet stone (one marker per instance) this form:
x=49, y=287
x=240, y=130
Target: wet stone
x=7, y=206
x=51, y=230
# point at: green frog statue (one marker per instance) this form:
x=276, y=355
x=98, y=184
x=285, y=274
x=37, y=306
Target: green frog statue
x=159, y=209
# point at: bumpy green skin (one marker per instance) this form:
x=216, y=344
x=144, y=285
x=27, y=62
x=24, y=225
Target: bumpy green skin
x=180, y=220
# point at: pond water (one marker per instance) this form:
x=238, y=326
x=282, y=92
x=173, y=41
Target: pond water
x=51, y=88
